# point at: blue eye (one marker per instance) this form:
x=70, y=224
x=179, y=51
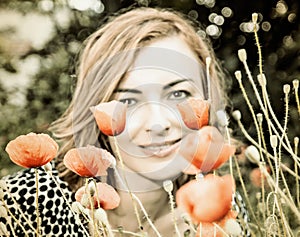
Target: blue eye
x=128, y=101
x=177, y=95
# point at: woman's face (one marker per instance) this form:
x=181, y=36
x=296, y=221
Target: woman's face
x=164, y=74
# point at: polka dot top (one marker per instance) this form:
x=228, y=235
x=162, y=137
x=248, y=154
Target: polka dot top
x=56, y=217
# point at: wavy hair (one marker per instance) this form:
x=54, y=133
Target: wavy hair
x=103, y=64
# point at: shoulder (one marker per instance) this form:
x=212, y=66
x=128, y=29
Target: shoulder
x=20, y=201
x=23, y=184
x=239, y=206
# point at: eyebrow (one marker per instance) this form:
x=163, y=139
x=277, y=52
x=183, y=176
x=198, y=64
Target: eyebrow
x=119, y=90
x=175, y=83
x=171, y=84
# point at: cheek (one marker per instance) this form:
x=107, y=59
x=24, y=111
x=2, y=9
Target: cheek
x=135, y=121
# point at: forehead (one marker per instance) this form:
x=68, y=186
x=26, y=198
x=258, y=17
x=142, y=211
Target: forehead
x=163, y=61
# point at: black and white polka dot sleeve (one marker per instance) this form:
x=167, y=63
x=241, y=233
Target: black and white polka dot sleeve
x=239, y=206
x=56, y=218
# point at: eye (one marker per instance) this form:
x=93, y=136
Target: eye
x=129, y=101
x=177, y=95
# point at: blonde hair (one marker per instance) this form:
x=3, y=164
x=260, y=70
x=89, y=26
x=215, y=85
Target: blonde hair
x=103, y=64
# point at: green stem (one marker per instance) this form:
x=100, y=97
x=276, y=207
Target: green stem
x=246, y=194
x=171, y=198
x=296, y=171
x=68, y=204
x=287, y=146
x=128, y=232
x=15, y=219
x=37, y=201
x=287, y=200
x=297, y=99
x=250, y=108
x=126, y=182
x=246, y=134
x=146, y=215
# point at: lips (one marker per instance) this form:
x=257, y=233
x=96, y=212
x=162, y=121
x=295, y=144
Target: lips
x=161, y=149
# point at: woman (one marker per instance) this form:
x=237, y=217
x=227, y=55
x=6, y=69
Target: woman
x=151, y=60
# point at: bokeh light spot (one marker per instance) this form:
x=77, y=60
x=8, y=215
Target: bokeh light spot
x=227, y=12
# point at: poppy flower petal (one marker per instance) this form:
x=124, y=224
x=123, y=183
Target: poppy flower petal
x=208, y=229
x=256, y=177
x=194, y=112
x=88, y=161
x=206, y=149
x=207, y=199
x=191, y=170
x=110, y=117
x=32, y=150
x=107, y=196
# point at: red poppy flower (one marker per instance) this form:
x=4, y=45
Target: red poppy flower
x=194, y=112
x=207, y=199
x=32, y=150
x=256, y=177
x=88, y=161
x=206, y=149
x=107, y=196
x=208, y=229
x=110, y=117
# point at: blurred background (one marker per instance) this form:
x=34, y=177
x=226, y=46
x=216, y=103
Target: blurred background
x=40, y=41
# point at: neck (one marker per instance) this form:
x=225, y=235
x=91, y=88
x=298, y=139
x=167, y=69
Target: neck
x=126, y=179
x=151, y=195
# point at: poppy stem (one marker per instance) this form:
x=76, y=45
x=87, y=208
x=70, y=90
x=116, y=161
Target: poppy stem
x=37, y=201
x=126, y=182
x=146, y=214
x=135, y=198
x=128, y=232
x=229, y=142
x=246, y=194
x=296, y=88
x=91, y=200
x=217, y=227
x=21, y=212
x=246, y=134
x=208, y=62
x=15, y=219
x=200, y=228
x=296, y=143
x=67, y=202
x=168, y=187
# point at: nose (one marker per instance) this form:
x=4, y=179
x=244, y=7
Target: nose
x=158, y=121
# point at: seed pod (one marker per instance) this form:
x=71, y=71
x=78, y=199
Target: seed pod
x=274, y=141
x=238, y=75
x=237, y=115
x=262, y=79
x=286, y=88
x=242, y=55
x=252, y=154
x=168, y=186
x=254, y=18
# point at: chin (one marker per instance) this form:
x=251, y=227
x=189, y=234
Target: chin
x=164, y=170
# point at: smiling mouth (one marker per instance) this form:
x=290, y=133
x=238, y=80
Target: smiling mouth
x=161, y=149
